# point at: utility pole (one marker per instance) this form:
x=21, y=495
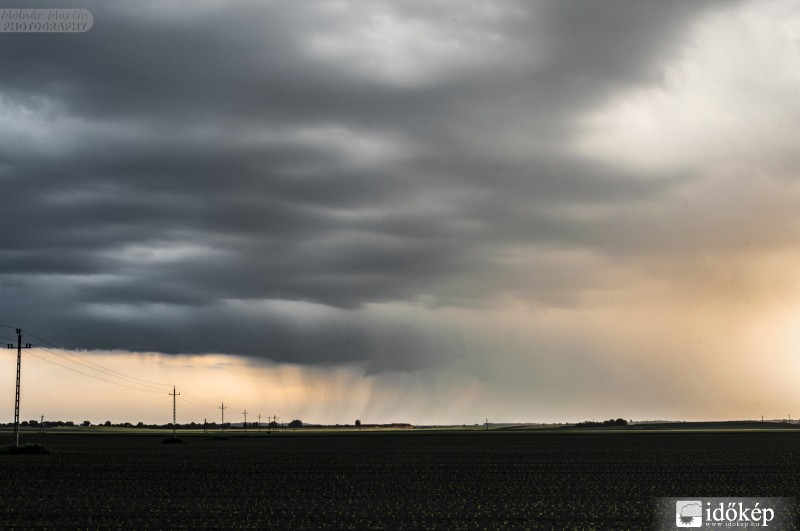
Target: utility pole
x=259, y=423
x=173, y=394
x=223, y=407
x=205, y=425
x=16, y=398
x=245, y=420
x=41, y=426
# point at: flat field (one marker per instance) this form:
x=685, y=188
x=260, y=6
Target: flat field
x=370, y=480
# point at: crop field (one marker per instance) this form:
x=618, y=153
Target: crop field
x=365, y=480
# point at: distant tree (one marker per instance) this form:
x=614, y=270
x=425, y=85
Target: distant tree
x=273, y=424
x=140, y=424
x=296, y=424
x=86, y=423
x=23, y=423
x=107, y=423
x=358, y=425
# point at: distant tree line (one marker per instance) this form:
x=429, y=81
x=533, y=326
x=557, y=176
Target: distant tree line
x=597, y=424
x=36, y=423
x=108, y=423
x=296, y=423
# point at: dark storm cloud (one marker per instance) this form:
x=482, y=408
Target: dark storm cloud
x=179, y=157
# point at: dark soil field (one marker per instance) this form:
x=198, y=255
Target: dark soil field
x=366, y=480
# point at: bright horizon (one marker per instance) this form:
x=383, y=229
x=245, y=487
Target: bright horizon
x=318, y=395
x=545, y=211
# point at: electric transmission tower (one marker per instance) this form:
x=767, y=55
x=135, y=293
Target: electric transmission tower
x=259, y=423
x=16, y=397
x=245, y=420
x=173, y=394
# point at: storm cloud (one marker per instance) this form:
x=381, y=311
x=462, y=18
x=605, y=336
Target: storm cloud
x=275, y=179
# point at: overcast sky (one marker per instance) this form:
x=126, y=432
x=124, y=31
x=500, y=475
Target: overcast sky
x=535, y=210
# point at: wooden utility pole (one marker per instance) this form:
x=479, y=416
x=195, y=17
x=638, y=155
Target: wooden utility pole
x=223, y=407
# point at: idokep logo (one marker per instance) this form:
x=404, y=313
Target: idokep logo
x=708, y=513
x=689, y=513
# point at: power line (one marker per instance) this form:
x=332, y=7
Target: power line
x=142, y=388
x=199, y=399
x=92, y=375
x=138, y=386
x=160, y=384
x=194, y=402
